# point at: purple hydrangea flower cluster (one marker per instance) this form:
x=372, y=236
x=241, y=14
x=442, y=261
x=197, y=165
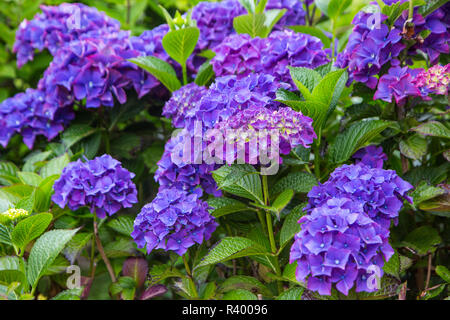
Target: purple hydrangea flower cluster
x=289, y=48
x=55, y=27
x=175, y=172
x=29, y=115
x=175, y=220
x=241, y=55
x=397, y=83
x=294, y=16
x=437, y=24
x=215, y=21
x=292, y=129
x=102, y=184
x=435, y=80
x=369, y=47
x=371, y=156
x=182, y=102
x=228, y=94
x=238, y=54
x=346, y=229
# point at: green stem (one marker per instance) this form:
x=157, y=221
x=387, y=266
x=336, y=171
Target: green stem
x=411, y=10
x=273, y=245
x=333, y=39
x=189, y=274
x=316, y=160
x=184, y=74
x=102, y=252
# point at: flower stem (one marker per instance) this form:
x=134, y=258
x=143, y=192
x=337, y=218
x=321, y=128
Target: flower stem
x=411, y=10
x=102, y=252
x=184, y=74
x=316, y=160
x=189, y=274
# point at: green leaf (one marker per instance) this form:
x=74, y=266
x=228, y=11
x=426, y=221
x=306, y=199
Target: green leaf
x=337, y=7
x=294, y=293
x=424, y=192
x=71, y=294
x=305, y=79
x=444, y=273
x=313, y=31
x=12, y=270
x=122, y=224
x=205, y=74
x=249, y=5
x=55, y=166
x=223, y=206
x=29, y=178
x=322, y=5
x=430, y=6
x=415, y=147
x=290, y=225
x=354, y=138
x=392, y=266
x=45, y=251
x=75, y=245
x=252, y=24
x=271, y=19
x=236, y=173
x=239, y=294
x=246, y=283
x=8, y=173
x=29, y=229
x=423, y=240
x=226, y=248
x=179, y=44
x=119, y=248
x=300, y=182
x=5, y=234
x=160, y=69
x=330, y=89
x=283, y=200
x=76, y=133
x=248, y=187
x=433, y=128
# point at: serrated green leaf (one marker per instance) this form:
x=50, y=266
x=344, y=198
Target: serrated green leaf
x=425, y=192
x=415, y=147
x=71, y=294
x=29, y=229
x=246, y=283
x=179, y=44
x=252, y=24
x=434, y=129
x=290, y=225
x=205, y=74
x=75, y=245
x=160, y=69
x=8, y=173
x=354, y=138
x=248, y=187
x=337, y=7
x=239, y=294
x=76, y=133
x=119, y=248
x=430, y=6
x=29, y=178
x=226, y=248
x=5, y=234
x=45, y=251
x=422, y=240
x=301, y=182
x=444, y=273
x=55, y=166
x=223, y=206
x=12, y=270
x=305, y=79
x=122, y=224
x=283, y=200
x=291, y=294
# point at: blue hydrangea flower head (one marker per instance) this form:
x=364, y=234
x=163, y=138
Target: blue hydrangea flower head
x=102, y=184
x=174, y=221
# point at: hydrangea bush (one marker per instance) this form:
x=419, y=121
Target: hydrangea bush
x=280, y=149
